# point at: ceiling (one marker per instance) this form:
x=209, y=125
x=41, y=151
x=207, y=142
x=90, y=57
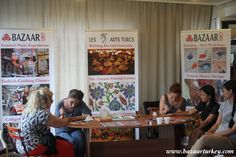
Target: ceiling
x=202, y=2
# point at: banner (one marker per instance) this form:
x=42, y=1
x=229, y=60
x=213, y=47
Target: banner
x=205, y=58
x=26, y=56
x=113, y=70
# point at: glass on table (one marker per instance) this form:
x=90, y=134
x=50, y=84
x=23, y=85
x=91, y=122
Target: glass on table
x=138, y=113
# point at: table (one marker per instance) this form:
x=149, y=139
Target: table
x=167, y=132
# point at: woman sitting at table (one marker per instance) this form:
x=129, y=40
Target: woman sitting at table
x=208, y=109
x=172, y=101
x=222, y=135
x=35, y=122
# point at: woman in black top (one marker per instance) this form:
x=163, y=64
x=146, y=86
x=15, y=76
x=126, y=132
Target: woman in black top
x=208, y=110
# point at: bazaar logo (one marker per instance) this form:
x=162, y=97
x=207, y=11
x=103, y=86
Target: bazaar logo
x=24, y=37
x=203, y=37
x=6, y=37
x=189, y=38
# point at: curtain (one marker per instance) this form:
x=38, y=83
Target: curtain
x=158, y=25
x=67, y=20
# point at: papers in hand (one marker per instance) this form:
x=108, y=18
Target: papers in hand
x=88, y=118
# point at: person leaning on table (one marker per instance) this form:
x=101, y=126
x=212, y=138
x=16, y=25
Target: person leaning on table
x=72, y=106
x=222, y=135
x=172, y=101
x=208, y=110
x=35, y=122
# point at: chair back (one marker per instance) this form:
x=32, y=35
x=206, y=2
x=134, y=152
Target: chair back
x=4, y=150
x=151, y=106
x=11, y=134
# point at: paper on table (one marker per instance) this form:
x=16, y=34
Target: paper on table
x=88, y=118
x=123, y=118
x=129, y=123
x=110, y=124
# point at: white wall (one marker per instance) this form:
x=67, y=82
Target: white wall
x=223, y=12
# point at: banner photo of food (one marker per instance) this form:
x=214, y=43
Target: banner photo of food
x=26, y=56
x=14, y=97
x=25, y=62
x=111, y=61
x=205, y=59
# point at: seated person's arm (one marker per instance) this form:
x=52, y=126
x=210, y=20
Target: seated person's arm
x=227, y=132
x=56, y=122
x=210, y=118
x=62, y=113
x=186, y=113
x=178, y=110
x=163, y=107
x=216, y=125
x=59, y=109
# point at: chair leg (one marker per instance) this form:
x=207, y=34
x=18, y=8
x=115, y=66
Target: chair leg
x=4, y=144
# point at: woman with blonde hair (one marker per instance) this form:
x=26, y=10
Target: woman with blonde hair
x=35, y=122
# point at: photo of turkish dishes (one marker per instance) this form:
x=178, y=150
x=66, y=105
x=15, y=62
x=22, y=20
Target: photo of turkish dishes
x=204, y=54
x=190, y=54
x=25, y=62
x=111, y=61
x=219, y=53
x=14, y=97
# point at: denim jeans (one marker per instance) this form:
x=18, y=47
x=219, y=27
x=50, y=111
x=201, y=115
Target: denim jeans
x=77, y=138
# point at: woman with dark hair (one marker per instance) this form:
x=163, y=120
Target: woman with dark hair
x=172, y=101
x=222, y=135
x=208, y=109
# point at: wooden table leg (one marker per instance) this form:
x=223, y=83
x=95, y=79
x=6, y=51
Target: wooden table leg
x=174, y=135
x=169, y=133
x=87, y=141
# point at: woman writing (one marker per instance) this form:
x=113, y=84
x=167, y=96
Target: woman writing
x=172, y=101
x=35, y=121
